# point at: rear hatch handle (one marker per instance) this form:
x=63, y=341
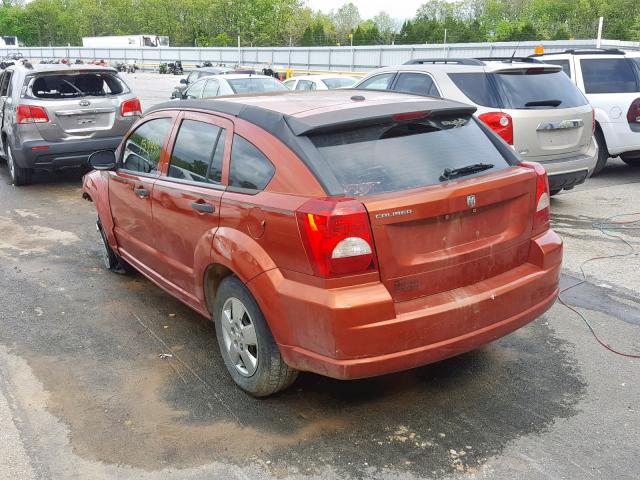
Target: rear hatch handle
x=562, y=125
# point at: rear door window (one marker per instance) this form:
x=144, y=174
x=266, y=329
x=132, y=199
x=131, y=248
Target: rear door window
x=198, y=152
x=566, y=67
x=396, y=156
x=538, y=88
x=143, y=147
x=305, y=85
x=378, y=82
x=477, y=87
x=250, y=169
x=419, y=83
x=77, y=85
x=608, y=75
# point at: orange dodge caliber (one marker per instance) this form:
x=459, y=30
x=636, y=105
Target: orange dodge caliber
x=348, y=233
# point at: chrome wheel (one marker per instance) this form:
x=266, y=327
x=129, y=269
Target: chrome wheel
x=239, y=337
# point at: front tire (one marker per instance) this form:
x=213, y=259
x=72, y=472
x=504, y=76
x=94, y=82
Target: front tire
x=632, y=161
x=247, y=346
x=19, y=176
x=111, y=260
x=603, y=153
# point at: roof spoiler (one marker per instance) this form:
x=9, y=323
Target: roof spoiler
x=509, y=59
x=449, y=61
x=585, y=51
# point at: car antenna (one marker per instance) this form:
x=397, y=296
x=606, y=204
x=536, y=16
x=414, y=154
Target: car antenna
x=514, y=51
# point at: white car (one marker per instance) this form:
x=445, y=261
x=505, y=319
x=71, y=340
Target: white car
x=533, y=106
x=232, y=84
x=320, y=82
x=610, y=79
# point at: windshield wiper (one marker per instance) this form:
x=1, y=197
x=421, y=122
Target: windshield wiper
x=543, y=103
x=450, y=173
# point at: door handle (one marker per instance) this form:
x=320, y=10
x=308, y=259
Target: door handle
x=203, y=207
x=141, y=192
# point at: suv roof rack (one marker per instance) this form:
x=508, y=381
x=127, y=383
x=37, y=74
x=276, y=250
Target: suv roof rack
x=454, y=61
x=509, y=59
x=585, y=51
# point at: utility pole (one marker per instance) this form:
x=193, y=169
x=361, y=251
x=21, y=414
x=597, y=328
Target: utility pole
x=445, y=36
x=599, y=40
x=290, y=41
x=239, y=52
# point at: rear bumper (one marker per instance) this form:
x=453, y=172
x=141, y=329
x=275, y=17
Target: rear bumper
x=568, y=172
x=39, y=154
x=356, y=332
x=567, y=180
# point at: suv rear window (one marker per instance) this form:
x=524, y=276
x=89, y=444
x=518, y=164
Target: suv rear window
x=396, y=156
x=78, y=85
x=608, y=75
x=528, y=88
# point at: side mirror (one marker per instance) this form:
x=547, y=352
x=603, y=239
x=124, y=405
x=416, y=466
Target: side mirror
x=103, y=160
x=183, y=81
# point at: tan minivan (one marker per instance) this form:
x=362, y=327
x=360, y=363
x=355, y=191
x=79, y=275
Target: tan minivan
x=533, y=106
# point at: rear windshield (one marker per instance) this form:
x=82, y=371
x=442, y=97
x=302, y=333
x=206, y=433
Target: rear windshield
x=608, y=75
x=76, y=85
x=339, y=82
x=538, y=88
x=250, y=85
x=398, y=156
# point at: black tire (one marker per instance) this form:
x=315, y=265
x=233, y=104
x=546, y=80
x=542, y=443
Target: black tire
x=603, y=153
x=269, y=374
x=19, y=176
x=111, y=260
x=553, y=193
x=632, y=161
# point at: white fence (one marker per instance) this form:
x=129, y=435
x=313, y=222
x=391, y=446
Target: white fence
x=355, y=59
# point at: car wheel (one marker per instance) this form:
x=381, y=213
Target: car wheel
x=632, y=161
x=112, y=261
x=603, y=153
x=247, y=346
x=555, y=192
x=19, y=176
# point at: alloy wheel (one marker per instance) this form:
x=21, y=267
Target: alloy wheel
x=239, y=335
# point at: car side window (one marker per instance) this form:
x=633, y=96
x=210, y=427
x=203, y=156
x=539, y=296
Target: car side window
x=193, y=76
x=378, y=82
x=305, y=85
x=250, y=168
x=608, y=75
x=211, y=89
x=198, y=152
x=562, y=63
x=5, y=83
x=419, y=83
x=195, y=90
x=143, y=147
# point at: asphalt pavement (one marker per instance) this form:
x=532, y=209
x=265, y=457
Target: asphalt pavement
x=85, y=394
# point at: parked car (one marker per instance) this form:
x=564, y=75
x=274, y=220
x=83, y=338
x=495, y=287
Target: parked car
x=610, y=79
x=232, y=84
x=532, y=106
x=320, y=82
x=198, y=73
x=372, y=233
x=54, y=116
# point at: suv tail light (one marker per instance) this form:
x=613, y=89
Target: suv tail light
x=542, y=215
x=633, y=115
x=31, y=114
x=131, y=107
x=337, y=237
x=501, y=123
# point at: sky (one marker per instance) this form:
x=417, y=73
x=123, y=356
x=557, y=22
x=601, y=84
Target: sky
x=401, y=9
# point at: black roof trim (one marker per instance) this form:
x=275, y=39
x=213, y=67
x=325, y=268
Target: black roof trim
x=452, y=61
x=509, y=59
x=585, y=51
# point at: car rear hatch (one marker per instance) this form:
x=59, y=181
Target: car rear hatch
x=551, y=117
x=78, y=104
x=435, y=227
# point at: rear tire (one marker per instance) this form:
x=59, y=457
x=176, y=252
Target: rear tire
x=19, y=176
x=603, y=153
x=247, y=346
x=554, y=192
x=632, y=161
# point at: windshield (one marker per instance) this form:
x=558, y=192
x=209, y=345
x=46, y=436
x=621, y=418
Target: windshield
x=398, y=156
x=77, y=85
x=251, y=85
x=339, y=82
x=538, y=88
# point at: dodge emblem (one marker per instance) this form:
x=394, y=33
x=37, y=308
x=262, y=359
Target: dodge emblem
x=471, y=201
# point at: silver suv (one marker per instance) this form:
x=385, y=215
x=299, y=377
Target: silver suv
x=54, y=116
x=533, y=106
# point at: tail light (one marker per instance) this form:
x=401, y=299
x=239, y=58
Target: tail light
x=337, y=237
x=131, y=107
x=501, y=123
x=542, y=216
x=633, y=115
x=31, y=114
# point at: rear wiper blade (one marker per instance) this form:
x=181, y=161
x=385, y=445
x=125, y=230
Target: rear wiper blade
x=543, y=103
x=450, y=173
